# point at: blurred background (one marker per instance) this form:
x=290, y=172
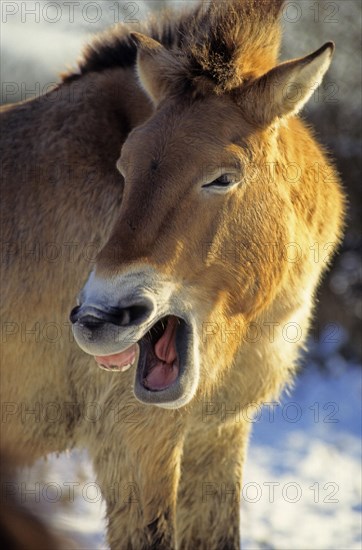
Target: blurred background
x=39, y=40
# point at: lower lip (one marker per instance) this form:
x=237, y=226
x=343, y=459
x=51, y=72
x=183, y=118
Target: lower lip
x=119, y=362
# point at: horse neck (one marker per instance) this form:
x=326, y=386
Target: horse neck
x=59, y=151
x=60, y=184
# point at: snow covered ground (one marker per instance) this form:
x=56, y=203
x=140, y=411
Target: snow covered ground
x=302, y=481
x=312, y=452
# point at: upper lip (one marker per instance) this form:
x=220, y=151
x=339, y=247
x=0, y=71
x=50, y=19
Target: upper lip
x=98, y=333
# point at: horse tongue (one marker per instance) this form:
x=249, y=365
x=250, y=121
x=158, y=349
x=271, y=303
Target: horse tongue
x=165, y=348
x=161, y=376
x=165, y=372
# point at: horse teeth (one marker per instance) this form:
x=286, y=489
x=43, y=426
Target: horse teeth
x=126, y=367
x=103, y=367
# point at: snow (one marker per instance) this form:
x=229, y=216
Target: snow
x=319, y=456
x=302, y=480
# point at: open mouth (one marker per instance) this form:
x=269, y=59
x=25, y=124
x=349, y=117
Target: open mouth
x=160, y=351
x=159, y=360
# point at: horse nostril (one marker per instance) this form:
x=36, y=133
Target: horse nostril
x=92, y=318
x=91, y=322
x=73, y=317
x=133, y=315
x=89, y=317
x=126, y=316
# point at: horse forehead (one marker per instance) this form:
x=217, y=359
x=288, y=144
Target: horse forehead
x=184, y=131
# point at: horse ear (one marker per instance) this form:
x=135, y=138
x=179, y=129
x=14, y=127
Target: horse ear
x=284, y=90
x=153, y=60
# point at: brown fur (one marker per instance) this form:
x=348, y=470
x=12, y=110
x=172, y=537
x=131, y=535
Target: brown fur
x=60, y=185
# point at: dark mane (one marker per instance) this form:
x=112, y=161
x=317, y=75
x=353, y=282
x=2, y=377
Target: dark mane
x=225, y=41
x=115, y=49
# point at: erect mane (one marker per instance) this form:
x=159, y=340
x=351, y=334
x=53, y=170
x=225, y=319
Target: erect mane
x=224, y=41
x=114, y=48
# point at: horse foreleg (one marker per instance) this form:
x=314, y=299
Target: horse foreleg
x=208, y=513
x=138, y=469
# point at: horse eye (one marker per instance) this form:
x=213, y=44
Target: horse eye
x=223, y=182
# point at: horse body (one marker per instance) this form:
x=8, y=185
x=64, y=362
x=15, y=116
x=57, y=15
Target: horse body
x=195, y=252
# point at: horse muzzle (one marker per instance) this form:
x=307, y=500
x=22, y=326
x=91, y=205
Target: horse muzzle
x=136, y=329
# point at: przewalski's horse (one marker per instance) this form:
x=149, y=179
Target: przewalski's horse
x=176, y=153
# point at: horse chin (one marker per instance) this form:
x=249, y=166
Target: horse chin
x=170, y=381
